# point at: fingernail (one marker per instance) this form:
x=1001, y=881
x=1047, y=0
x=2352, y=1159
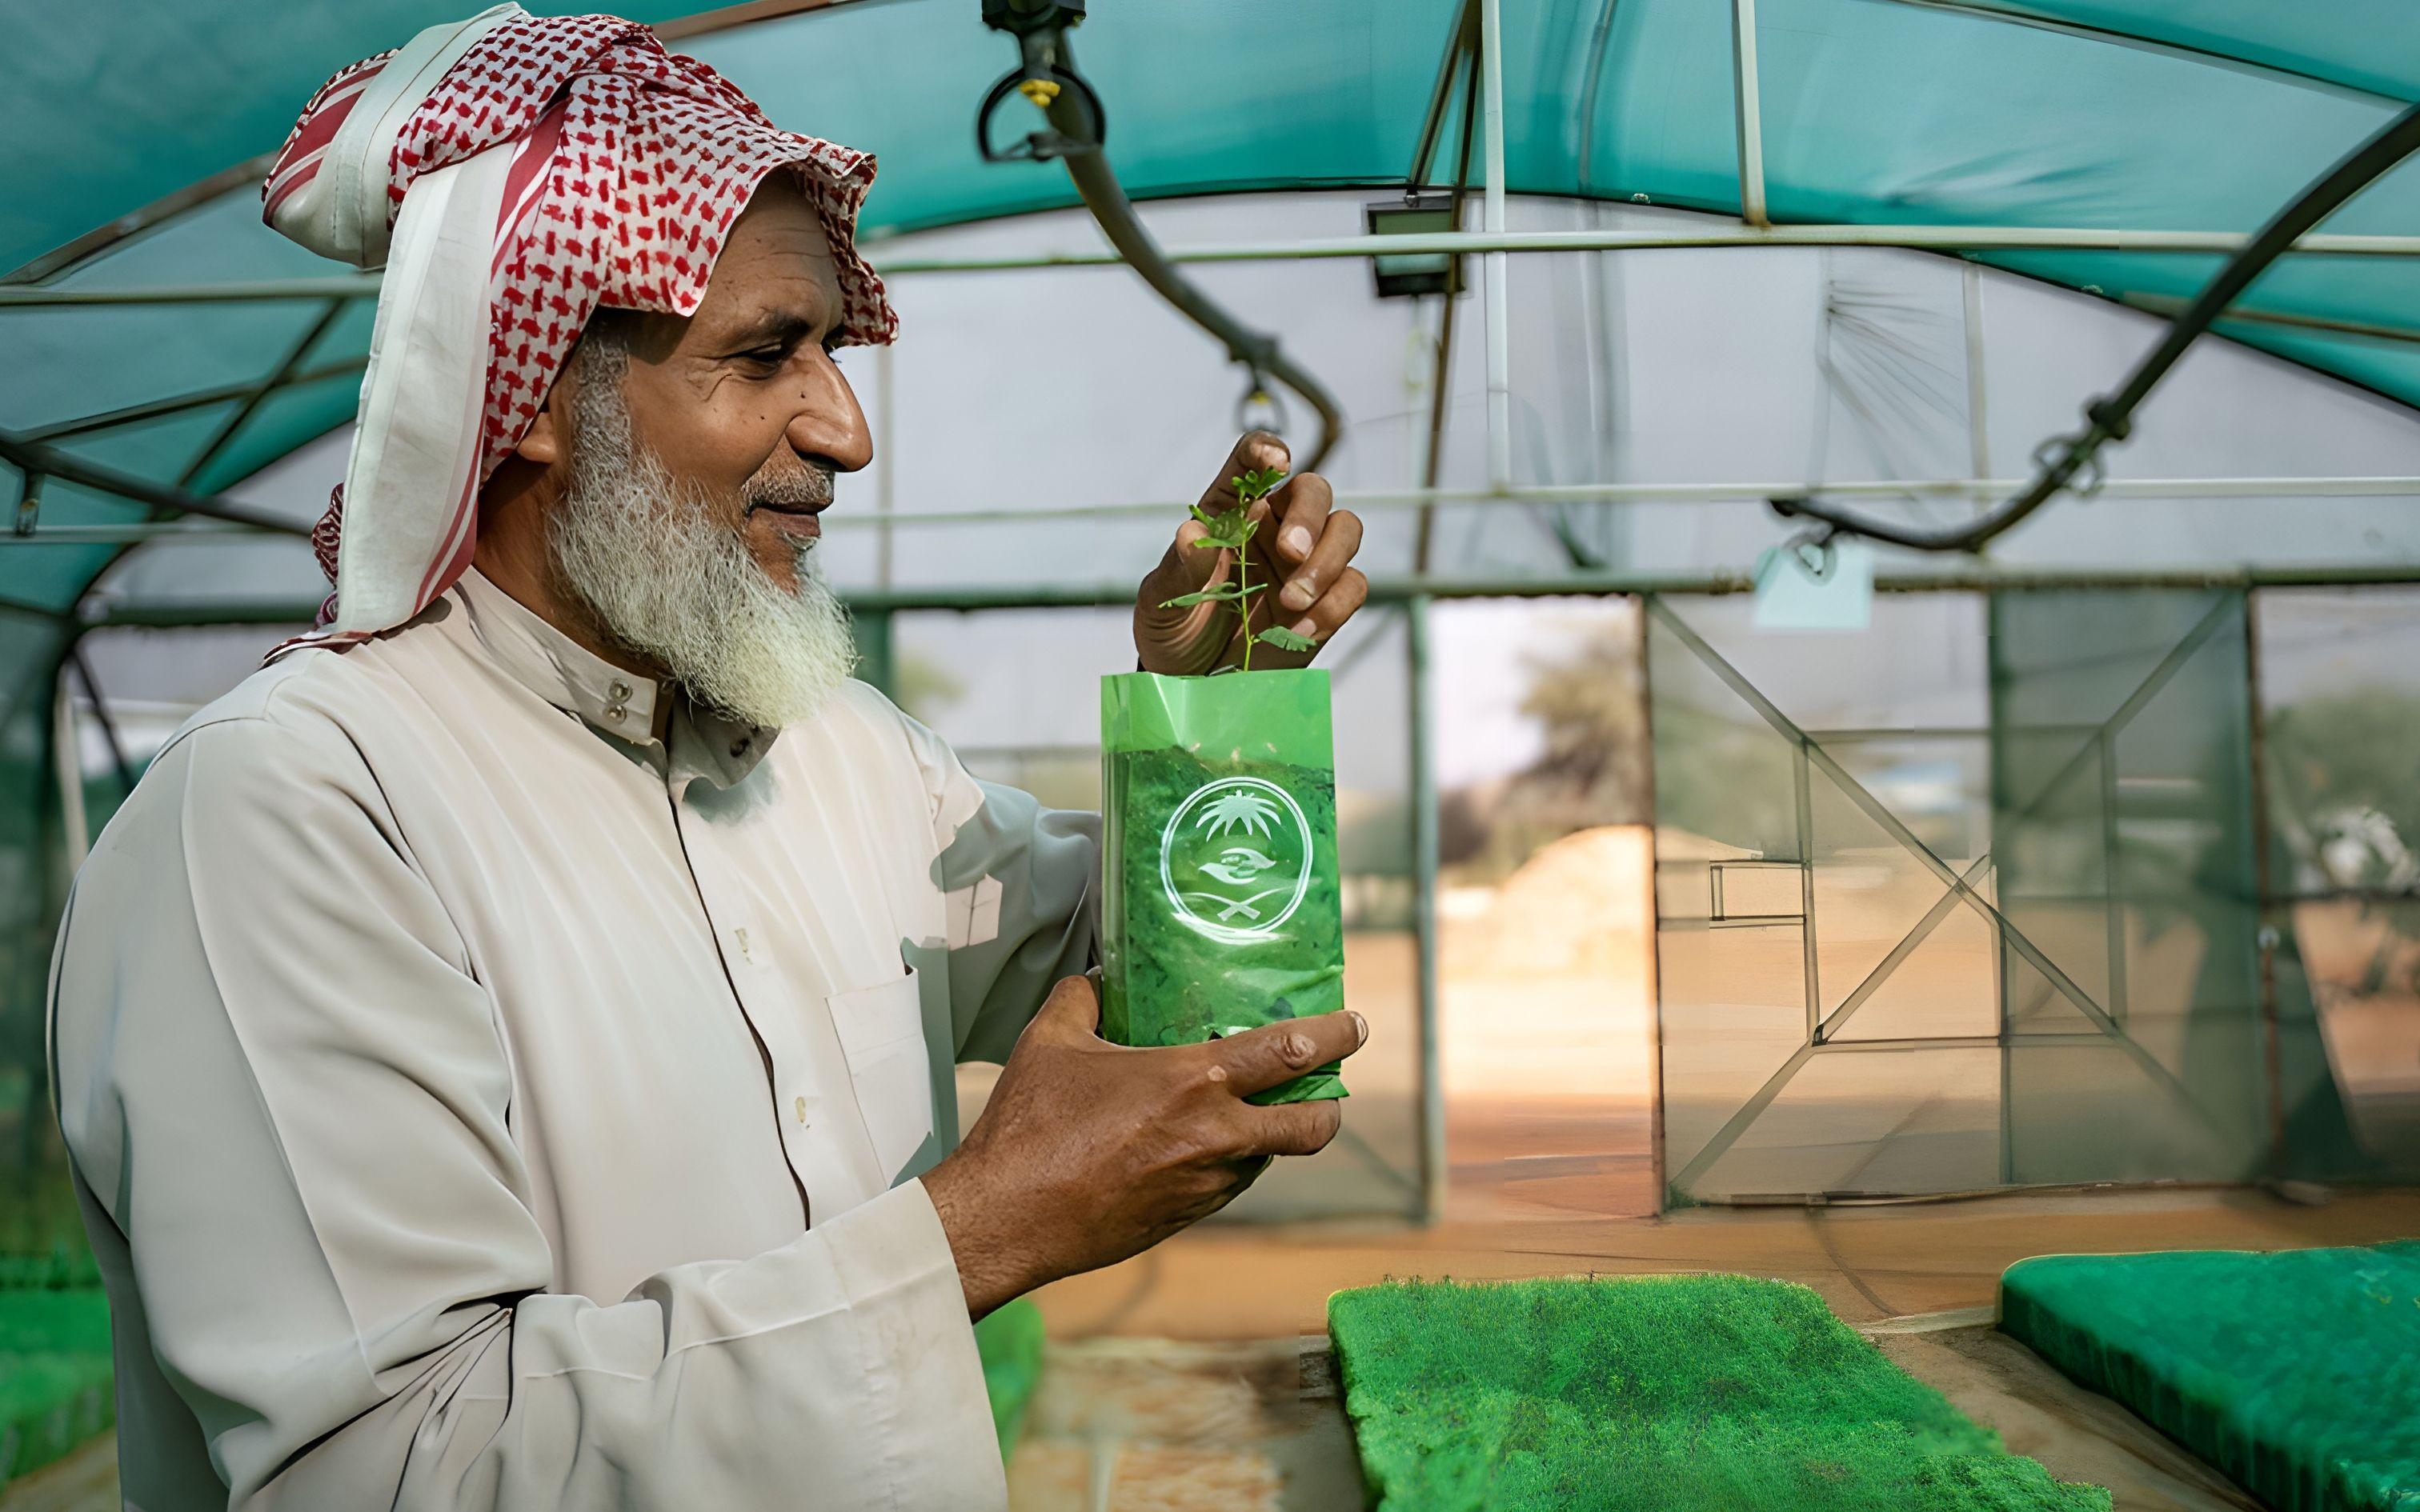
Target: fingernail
x=1360, y=1028
x=1295, y=594
x=1296, y=539
x=1307, y=626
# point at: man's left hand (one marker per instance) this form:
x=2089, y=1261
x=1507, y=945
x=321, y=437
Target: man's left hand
x=1302, y=550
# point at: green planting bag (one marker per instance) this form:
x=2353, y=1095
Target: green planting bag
x=1221, y=911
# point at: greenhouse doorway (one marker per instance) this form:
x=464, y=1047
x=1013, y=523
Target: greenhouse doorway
x=1544, y=926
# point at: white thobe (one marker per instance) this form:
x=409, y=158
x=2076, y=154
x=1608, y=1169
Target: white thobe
x=486, y=1076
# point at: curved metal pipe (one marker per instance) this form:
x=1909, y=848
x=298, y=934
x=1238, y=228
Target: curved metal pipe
x=2112, y=418
x=1107, y=199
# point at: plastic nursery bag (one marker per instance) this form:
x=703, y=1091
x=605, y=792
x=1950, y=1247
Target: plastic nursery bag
x=1221, y=910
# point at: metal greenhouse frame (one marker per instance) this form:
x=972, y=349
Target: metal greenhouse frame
x=1471, y=65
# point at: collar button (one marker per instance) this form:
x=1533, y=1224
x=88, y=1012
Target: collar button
x=620, y=693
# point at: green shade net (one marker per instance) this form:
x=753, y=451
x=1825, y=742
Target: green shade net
x=36, y=1208
x=1010, y=1339
x=54, y=1371
x=1664, y=1392
x=2297, y=1374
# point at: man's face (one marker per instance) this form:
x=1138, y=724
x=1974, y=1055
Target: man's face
x=742, y=401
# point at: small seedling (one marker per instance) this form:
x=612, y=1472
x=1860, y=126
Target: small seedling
x=1232, y=531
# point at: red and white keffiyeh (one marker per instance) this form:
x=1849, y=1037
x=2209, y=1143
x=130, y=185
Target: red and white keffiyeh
x=512, y=172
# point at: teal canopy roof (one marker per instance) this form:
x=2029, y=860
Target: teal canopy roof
x=2115, y=116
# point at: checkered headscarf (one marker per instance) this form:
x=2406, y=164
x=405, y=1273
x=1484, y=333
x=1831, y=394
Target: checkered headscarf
x=512, y=172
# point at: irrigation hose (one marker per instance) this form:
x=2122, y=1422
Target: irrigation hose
x=2060, y=459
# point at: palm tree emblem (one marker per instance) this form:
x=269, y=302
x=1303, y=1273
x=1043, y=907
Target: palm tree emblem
x=1244, y=809
x=1236, y=859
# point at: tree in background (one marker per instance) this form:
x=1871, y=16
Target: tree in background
x=1588, y=702
x=2345, y=790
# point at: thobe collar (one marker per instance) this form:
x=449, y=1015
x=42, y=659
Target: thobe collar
x=655, y=717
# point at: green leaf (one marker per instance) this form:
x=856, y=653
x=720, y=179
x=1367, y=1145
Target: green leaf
x=1208, y=595
x=1257, y=483
x=1284, y=639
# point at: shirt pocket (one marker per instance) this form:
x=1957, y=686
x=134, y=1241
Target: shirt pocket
x=881, y=1031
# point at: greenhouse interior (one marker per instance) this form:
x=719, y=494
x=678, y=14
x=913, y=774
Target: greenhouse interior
x=1733, y=884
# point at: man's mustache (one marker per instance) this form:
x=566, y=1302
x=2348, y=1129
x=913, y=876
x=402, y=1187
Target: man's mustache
x=807, y=486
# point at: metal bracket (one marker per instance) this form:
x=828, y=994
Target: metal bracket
x=1046, y=77
x=29, y=504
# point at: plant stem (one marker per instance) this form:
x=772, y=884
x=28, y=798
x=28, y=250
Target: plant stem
x=1244, y=589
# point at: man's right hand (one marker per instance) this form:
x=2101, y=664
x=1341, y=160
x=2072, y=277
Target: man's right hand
x=1089, y=1153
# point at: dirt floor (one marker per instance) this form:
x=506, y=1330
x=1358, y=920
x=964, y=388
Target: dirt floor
x=1869, y=1263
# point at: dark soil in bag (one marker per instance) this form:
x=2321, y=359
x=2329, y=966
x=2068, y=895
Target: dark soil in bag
x=1222, y=911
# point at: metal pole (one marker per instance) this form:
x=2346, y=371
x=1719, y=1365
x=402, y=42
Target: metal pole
x=1713, y=233
x=1424, y=866
x=1722, y=233
x=33, y=456
x=1654, y=920
x=886, y=485
x=2267, y=919
x=278, y=375
x=101, y=716
x=1376, y=499
x=1979, y=432
x=129, y=534
x=1810, y=977
x=67, y=756
x=1498, y=269
x=1120, y=594
x=178, y=403
x=870, y=626
x=1441, y=375
x=1748, y=115
x=1679, y=493
x=1440, y=97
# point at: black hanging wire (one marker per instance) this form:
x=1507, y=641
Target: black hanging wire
x=1047, y=76
x=2061, y=459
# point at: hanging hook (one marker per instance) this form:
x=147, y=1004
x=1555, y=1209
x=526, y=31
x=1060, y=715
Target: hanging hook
x=1258, y=407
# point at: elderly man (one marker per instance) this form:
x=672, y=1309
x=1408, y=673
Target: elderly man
x=505, y=1043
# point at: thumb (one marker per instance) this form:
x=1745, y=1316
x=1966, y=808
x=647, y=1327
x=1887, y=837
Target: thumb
x=1188, y=567
x=1073, y=1007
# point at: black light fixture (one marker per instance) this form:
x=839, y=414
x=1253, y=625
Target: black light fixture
x=1404, y=275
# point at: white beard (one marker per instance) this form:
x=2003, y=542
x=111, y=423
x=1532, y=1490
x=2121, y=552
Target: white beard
x=665, y=577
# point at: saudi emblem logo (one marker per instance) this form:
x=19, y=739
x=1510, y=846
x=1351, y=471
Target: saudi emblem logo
x=1236, y=859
